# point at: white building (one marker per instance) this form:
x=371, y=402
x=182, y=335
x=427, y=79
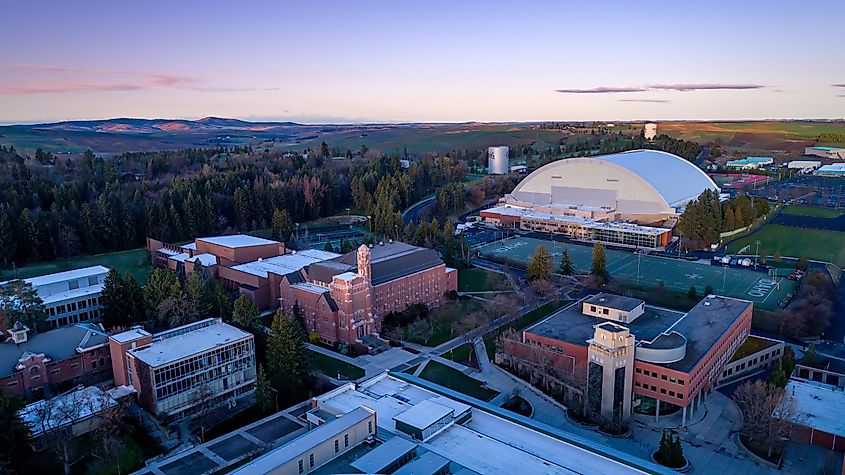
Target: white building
x=497, y=160
x=72, y=296
x=650, y=131
x=831, y=153
x=804, y=166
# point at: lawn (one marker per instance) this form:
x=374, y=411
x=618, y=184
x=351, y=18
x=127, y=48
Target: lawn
x=814, y=211
x=479, y=280
x=813, y=244
x=522, y=322
x=134, y=261
x=453, y=379
x=332, y=366
x=443, y=319
x=460, y=353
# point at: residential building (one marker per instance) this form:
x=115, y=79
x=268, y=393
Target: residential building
x=635, y=356
x=37, y=364
x=72, y=296
x=831, y=153
x=185, y=369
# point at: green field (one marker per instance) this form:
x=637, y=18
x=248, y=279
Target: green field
x=676, y=274
x=813, y=211
x=814, y=244
x=451, y=378
x=479, y=280
x=134, y=261
x=332, y=366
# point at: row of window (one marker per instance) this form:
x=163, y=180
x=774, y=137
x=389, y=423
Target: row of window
x=185, y=384
x=203, y=361
x=655, y=375
x=301, y=462
x=662, y=390
x=74, y=306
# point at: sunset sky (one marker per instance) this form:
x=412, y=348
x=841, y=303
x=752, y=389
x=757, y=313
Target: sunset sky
x=423, y=61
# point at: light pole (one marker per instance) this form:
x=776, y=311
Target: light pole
x=756, y=253
x=724, y=277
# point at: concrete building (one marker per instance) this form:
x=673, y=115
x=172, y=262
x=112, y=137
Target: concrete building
x=756, y=354
x=179, y=370
x=830, y=153
x=345, y=298
x=633, y=355
x=750, y=163
x=650, y=131
x=579, y=223
x=497, y=160
x=643, y=186
x=818, y=415
x=804, y=166
x=35, y=365
x=72, y=296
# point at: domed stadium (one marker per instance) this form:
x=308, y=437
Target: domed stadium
x=640, y=185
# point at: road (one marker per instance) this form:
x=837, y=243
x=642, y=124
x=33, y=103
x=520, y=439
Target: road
x=413, y=213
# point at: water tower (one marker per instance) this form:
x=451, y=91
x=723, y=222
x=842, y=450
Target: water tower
x=497, y=160
x=650, y=131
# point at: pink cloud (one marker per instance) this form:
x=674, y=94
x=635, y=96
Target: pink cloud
x=602, y=90
x=42, y=88
x=705, y=87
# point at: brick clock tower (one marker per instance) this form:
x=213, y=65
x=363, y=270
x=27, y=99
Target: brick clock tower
x=365, y=263
x=610, y=373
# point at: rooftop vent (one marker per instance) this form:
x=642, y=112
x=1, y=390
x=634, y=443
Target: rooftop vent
x=381, y=243
x=260, y=259
x=706, y=304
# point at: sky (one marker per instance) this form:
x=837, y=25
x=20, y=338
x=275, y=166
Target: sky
x=432, y=61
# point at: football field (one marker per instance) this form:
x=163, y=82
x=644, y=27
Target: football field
x=645, y=270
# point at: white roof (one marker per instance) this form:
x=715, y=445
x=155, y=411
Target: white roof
x=74, y=294
x=66, y=275
x=237, y=240
x=309, y=287
x=192, y=246
x=169, y=252
x=50, y=414
x=191, y=343
x=204, y=259
x=347, y=276
x=423, y=414
x=179, y=257
x=819, y=406
x=129, y=335
x=595, y=223
x=376, y=460
x=285, y=264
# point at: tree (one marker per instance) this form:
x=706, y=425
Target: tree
x=245, y=313
x=13, y=434
x=779, y=377
x=7, y=237
x=158, y=287
x=566, y=267
x=708, y=290
x=692, y=293
x=197, y=295
x=540, y=265
x=599, y=266
x=221, y=304
x=123, y=300
x=670, y=453
x=777, y=257
x=811, y=357
x=328, y=247
x=19, y=302
x=802, y=263
x=767, y=414
x=287, y=361
x=263, y=392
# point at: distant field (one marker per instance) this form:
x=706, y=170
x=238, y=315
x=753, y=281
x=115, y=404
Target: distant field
x=794, y=242
x=134, y=261
x=787, y=137
x=813, y=211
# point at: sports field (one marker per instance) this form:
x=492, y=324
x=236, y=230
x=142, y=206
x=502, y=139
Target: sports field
x=814, y=211
x=815, y=244
x=676, y=274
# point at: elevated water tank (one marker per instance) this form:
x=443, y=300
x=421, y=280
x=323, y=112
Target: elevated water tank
x=497, y=161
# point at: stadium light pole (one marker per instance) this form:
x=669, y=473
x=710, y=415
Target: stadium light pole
x=724, y=276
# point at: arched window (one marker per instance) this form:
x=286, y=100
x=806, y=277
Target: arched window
x=33, y=371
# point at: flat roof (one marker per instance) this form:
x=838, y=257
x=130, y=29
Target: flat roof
x=829, y=149
x=385, y=454
x=428, y=463
x=286, y=263
x=619, y=302
x=819, y=406
x=182, y=346
x=63, y=276
x=237, y=240
x=307, y=441
x=204, y=259
x=487, y=443
x=593, y=223
x=424, y=414
x=72, y=294
x=702, y=326
x=129, y=335
x=309, y=287
x=82, y=403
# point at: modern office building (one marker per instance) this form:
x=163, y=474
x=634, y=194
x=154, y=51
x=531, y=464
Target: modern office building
x=497, y=160
x=636, y=355
x=830, y=153
x=644, y=186
x=579, y=223
x=181, y=370
x=33, y=364
x=72, y=296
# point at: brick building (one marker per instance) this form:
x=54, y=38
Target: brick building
x=635, y=356
x=212, y=252
x=34, y=365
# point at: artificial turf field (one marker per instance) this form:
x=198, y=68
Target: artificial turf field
x=676, y=274
x=816, y=244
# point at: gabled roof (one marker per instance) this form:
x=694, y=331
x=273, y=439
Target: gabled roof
x=393, y=260
x=58, y=344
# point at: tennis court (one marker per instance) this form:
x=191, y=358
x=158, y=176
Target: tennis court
x=676, y=274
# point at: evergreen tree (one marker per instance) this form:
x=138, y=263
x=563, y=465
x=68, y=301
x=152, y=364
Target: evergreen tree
x=14, y=449
x=245, y=313
x=692, y=293
x=779, y=377
x=7, y=238
x=540, y=265
x=113, y=297
x=599, y=266
x=220, y=303
x=158, y=288
x=263, y=392
x=197, y=296
x=136, y=308
x=328, y=247
x=287, y=361
x=19, y=302
x=811, y=357
x=566, y=266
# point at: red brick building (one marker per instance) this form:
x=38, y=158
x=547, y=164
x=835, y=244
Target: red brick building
x=668, y=359
x=35, y=365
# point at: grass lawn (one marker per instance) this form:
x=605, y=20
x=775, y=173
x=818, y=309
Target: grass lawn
x=479, y=280
x=444, y=316
x=134, y=261
x=752, y=345
x=460, y=353
x=332, y=366
x=794, y=242
x=813, y=211
x=522, y=322
x=453, y=379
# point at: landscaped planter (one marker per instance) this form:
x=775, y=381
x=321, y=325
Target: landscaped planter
x=686, y=468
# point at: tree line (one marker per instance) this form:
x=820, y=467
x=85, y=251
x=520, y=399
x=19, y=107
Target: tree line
x=705, y=218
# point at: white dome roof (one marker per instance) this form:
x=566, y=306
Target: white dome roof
x=635, y=182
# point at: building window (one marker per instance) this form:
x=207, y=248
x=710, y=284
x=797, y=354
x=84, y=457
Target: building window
x=370, y=427
x=638, y=370
x=672, y=393
x=54, y=371
x=680, y=396
x=346, y=440
x=301, y=468
x=681, y=382
x=662, y=390
x=637, y=383
x=336, y=446
x=311, y=460
x=664, y=377
x=33, y=371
